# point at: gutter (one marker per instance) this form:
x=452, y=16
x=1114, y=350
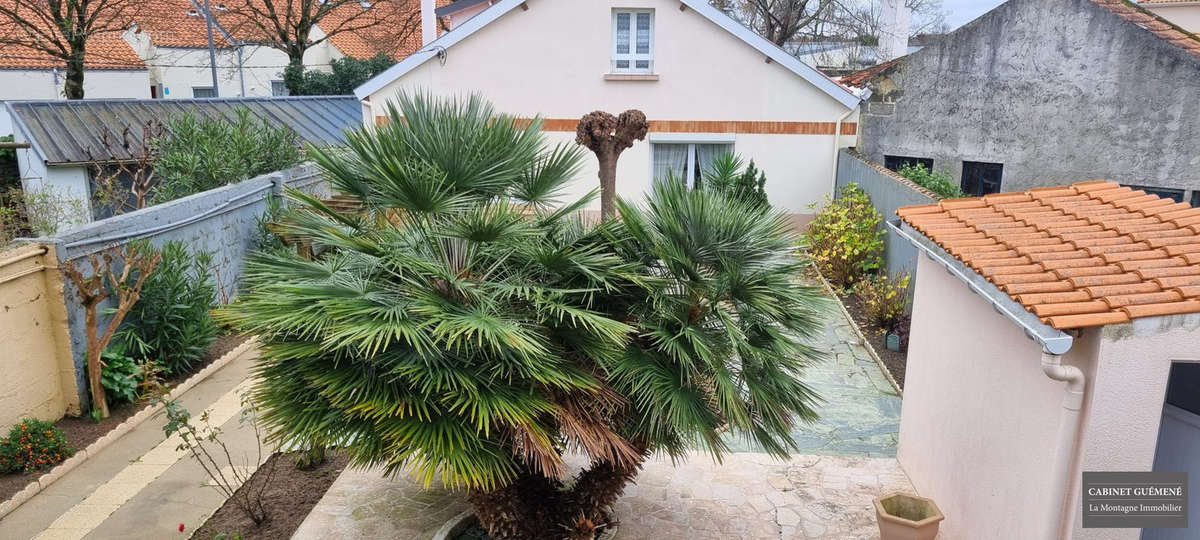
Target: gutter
x=1055, y=343
x=837, y=146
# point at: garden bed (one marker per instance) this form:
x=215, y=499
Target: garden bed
x=895, y=362
x=82, y=431
x=288, y=500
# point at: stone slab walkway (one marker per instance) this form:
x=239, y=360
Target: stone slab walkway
x=861, y=412
x=748, y=496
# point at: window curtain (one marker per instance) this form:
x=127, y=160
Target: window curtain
x=706, y=154
x=670, y=160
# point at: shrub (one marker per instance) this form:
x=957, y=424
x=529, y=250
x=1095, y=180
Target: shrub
x=120, y=375
x=455, y=335
x=171, y=324
x=345, y=74
x=726, y=175
x=33, y=445
x=884, y=299
x=196, y=155
x=940, y=182
x=844, y=239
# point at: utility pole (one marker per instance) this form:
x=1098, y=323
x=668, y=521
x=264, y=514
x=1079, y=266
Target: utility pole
x=212, y=51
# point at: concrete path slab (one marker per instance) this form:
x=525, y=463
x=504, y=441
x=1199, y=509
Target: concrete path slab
x=88, y=496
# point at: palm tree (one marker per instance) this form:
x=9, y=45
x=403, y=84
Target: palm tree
x=467, y=329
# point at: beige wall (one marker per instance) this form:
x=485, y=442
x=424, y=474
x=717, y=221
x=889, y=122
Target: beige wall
x=1185, y=15
x=979, y=420
x=704, y=74
x=38, y=372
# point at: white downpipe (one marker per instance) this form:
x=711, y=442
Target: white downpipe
x=1058, y=526
x=837, y=147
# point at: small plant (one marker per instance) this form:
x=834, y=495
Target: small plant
x=884, y=299
x=727, y=175
x=49, y=210
x=120, y=374
x=205, y=444
x=33, y=445
x=844, y=239
x=172, y=324
x=939, y=182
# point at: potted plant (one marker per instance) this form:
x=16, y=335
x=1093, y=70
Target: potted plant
x=907, y=517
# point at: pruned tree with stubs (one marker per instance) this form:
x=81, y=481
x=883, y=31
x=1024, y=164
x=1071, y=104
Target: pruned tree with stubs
x=136, y=262
x=607, y=136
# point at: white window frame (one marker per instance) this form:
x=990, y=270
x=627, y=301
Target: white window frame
x=691, y=140
x=632, y=56
x=209, y=88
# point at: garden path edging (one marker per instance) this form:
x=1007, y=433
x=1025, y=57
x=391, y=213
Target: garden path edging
x=858, y=332
x=82, y=455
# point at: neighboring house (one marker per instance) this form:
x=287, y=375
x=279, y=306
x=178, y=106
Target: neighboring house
x=1183, y=13
x=111, y=69
x=67, y=136
x=1019, y=293
x=1043, y=92
x=706, y=83
x=841, y=57
x=172, y=37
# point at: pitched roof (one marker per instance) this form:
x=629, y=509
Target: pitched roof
x=105, y=50
x=859, y=78
x=71, y=131
x=842, y=94
x=1153, y=23
x=398, y=38
x=177, y=23
x=1088, y=254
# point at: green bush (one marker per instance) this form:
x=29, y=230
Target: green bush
x=345, y=74
x=171, y=324
x=33, y=445
x=884, y=299
x=121, y=375
x=844, y=239
x=726, y=175
x=939, y=182
x=196, y=155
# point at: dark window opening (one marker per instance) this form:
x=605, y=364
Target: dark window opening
x=980, y=178
x=1183, y=387
x=896, y=162
x=1196, y=198
x=1166, y=193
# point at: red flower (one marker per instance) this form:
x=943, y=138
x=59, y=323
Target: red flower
x=180, y=527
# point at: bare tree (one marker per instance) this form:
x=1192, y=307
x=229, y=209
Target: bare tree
x=63, y=28
x=124, y=158
x=607, y=136
x=862, y=19
x=288, y=25
x=780, y=21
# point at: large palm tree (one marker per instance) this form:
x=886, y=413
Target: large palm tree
x=470, y=329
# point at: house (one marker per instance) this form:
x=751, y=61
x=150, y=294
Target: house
x=171, y=36
x=111, y=69
x=706, y=83
x=67, y=137
x=1054, y=331
x=1183, y=13
x=1044, y=92
x=841, y=57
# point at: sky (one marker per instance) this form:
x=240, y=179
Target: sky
x=964, y=11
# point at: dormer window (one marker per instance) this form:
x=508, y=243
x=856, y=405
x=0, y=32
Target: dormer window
x=193, y=13
x=633, y=41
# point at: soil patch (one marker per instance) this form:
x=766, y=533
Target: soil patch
x=82, y=431
x=288, y=500
x=894, y=361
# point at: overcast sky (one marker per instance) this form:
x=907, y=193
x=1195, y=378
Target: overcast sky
x=964, y=11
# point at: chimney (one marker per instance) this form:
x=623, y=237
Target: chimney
x=893, y=30
x=428, y=22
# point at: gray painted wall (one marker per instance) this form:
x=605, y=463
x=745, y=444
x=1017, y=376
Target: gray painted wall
x=221, y=221
x=1057, y=90
x=888, y=191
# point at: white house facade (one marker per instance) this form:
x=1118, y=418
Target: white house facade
x=706, y=83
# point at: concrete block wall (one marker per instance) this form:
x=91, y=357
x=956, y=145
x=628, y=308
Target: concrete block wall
x=221, y=221
x=888, y=191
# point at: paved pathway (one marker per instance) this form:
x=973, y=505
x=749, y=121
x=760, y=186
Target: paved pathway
x=140, y=486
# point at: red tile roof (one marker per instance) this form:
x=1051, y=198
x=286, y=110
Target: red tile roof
x=106, y=50
x=1156, y=25
x=1087, y=254
x=859, y=78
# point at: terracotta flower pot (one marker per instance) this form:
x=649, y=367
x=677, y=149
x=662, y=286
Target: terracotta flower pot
x=907, y=517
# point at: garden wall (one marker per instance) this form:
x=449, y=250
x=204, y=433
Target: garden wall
x=888, y=191
x=222, y=221
x=38, y=370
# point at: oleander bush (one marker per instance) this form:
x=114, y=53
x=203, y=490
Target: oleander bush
x=844, y=238
x=33, y=445
x=171, y=324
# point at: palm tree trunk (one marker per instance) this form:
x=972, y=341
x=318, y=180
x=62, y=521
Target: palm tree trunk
x=526, y=509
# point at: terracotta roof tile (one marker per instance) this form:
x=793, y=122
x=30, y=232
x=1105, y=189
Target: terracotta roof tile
x=105, y=50
x=1154, y=24
x=1088, y=254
